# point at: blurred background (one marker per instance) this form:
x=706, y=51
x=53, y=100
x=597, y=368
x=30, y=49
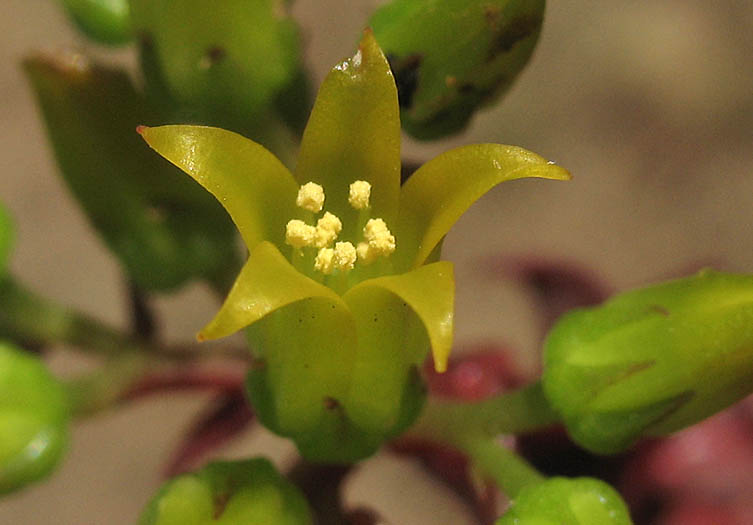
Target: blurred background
x=648, y=104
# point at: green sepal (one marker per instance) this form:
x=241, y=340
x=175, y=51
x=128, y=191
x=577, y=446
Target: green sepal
x=226, y=62
x=7, y=237
x=566, y=501
x=34, y=417
x=104, y=21
x=228, y=493
x=354, y=134
x=255, y=188
x=164, y=228
x=441, y=190
x=442, y=81
x=652, y=361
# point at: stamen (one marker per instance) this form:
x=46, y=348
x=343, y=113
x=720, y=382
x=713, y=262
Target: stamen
x=325, y=261
x=310, y=197
x=359, y=194
x=365, y=254
x=345, y=256
x=379, y=237
x=299, y=234
x=327, y=230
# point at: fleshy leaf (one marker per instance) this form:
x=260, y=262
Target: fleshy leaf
x=223, y=61
x=251, y=183
x=162, y=226
x=105, y=21
x=429, y=291
x=6, y=238
x=354, y=134
x=266, y=283
x=441, y=190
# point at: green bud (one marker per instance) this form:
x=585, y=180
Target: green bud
x=224, y=63
x=565, y=501
x=34, y=417
x=6, y=238
x=164, y=228
x=450, y=57
x=228, y=493
x=105, y=21
x=652, y=361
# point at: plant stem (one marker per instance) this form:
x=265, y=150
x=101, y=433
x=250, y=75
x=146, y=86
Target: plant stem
x=474, y=428
x=514, y=412
x=28, y=317
x=104, y=387
x=508, y=470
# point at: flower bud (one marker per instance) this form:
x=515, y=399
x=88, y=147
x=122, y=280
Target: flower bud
x=34, y=418
x=652, y=361
x=450, y=58
x=227, y=493
x=564, y=501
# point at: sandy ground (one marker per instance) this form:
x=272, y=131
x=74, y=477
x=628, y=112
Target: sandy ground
x=650, y=105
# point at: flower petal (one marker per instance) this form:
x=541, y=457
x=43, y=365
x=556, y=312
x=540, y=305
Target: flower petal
x=251, y=183
x=440, y=191
x=429, y=291
x=354, y=134
x=266, y=282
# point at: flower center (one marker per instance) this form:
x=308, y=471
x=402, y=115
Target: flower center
x=377, y=241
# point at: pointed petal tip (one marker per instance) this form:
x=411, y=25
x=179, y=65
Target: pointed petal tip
x=440, y=365
x=141, y=129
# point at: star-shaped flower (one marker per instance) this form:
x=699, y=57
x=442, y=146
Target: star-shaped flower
x=342, y=291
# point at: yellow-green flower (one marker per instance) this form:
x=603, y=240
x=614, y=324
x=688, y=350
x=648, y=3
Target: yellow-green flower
x=342, y=293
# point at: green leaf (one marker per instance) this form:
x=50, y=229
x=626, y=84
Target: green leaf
x=224, y=61
x=163, y=227
x=6, y=238
x=440, y=191
x=105, y=21
x=442, y=81
x=250, y=182
x=266, y=282
x=354, y=134
x=34, y=415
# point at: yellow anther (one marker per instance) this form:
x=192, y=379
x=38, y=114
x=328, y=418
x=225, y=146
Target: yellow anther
x=327, y=230
x=299, y=234
x=359, y=194
x=310, y=197
x=345, y=256
x=379, y=237
x=325, y=261
x=366, y=254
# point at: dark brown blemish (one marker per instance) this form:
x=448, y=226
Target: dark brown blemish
x=330, y=403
